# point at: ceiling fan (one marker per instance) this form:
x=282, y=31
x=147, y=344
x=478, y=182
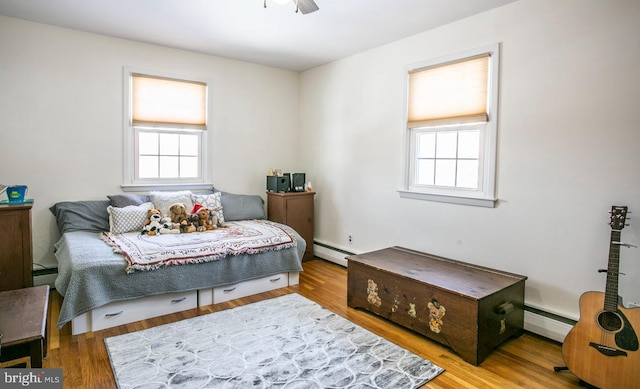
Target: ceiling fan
x=304, y=6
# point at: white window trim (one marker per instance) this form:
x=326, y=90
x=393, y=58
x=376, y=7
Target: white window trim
x=129, y=183
x=486, y=195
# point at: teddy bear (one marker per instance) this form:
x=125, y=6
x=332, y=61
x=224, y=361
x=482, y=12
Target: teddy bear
x=155, y=224
x=195, y=221
x=200, y=218
x=186, y=225
x=180, y=218
x=177, y=212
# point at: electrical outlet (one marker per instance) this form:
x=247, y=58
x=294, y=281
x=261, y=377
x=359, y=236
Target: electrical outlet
x=350, y=238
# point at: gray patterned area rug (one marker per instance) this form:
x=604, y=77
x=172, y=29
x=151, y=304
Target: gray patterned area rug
x=285, y=342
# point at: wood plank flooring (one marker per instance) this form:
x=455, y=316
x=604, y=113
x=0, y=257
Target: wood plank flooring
x=525, y=362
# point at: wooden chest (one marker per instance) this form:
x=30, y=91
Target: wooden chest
x=469, y=308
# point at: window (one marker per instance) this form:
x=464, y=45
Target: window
x=165, y=131
x=451, y=128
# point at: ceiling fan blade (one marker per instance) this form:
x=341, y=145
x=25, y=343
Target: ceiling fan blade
x=307, y=6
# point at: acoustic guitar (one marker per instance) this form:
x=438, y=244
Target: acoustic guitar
x=602, y=348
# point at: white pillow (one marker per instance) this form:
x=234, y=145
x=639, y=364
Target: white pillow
x=210, y=201
x=127, y=219
x=164, y=200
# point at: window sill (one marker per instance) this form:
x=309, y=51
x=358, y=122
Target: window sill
x=166, y=187
x=474, y=201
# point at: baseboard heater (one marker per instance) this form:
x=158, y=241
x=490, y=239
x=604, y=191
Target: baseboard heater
x=45, y=276
x=537, y=321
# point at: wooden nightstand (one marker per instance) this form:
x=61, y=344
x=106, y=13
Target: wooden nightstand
x=15, y=246
x=294, y=209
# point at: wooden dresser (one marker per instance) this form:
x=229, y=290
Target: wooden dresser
x=15, y=246
x=294, y=209
x=469, y=308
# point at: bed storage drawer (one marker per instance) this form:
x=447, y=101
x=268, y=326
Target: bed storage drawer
x=124, y=312
x=243, y=289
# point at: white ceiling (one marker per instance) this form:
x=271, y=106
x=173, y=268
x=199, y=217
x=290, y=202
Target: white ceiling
x=245, y=30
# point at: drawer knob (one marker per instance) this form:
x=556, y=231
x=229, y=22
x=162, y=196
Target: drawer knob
x=229, y=290
x=275, y=279
x=175, y=301
x=110, y=315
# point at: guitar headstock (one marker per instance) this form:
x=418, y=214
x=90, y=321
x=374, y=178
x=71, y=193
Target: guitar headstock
x=618, y=217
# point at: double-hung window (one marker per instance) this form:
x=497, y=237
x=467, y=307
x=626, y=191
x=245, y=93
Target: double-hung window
x=451, y=128
x=165, y=132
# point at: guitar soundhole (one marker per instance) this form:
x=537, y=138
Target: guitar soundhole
x=610, y=321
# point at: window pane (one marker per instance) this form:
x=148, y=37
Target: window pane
x=425, y=171
x=468, y=144
x=446, y=144
x=188, y=167
x=467, y=174
x=169, y=144
x=189, y=145
x=148, y=143
x=165, y=155
x=168, y=167
x=426, y=145
x=445, y=172
x=148, y=167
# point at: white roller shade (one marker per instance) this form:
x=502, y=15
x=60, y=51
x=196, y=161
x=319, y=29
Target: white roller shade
x=449, y=93
x=165, y=102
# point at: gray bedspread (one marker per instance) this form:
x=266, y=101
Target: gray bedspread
x=91, y=275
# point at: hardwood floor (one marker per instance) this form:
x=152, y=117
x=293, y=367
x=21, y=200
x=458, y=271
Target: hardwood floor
x=525, y=362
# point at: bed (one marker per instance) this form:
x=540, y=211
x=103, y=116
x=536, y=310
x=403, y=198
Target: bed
x=102, y=289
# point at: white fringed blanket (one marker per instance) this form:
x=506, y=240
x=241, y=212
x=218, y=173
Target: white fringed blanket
x=144, y=252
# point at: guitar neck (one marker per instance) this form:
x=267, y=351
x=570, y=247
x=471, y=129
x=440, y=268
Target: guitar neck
x=611, y=290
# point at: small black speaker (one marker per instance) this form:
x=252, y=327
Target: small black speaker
x=284, y=183
x=272, y=183
x=298, y=181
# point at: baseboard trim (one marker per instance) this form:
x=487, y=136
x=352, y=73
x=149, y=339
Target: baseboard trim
x=537, y=321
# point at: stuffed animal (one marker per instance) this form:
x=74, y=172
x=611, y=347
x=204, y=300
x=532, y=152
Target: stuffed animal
x=178, y=212
x=151, y=212
x=186, y=225
x=200, y=218
x=213, y=217
x=155, y=224
x=195, y=221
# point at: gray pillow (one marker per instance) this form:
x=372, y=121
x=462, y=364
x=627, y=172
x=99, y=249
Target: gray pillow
x=207, y=191
x=124, y=200
x=81, y=215
x=242, y=207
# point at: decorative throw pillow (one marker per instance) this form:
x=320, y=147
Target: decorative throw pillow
x=129, y=218
x=163, y=200
x=211, y=201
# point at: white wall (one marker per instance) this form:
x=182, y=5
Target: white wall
x=568, y=137
x=569, y=134
x=61, y=116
